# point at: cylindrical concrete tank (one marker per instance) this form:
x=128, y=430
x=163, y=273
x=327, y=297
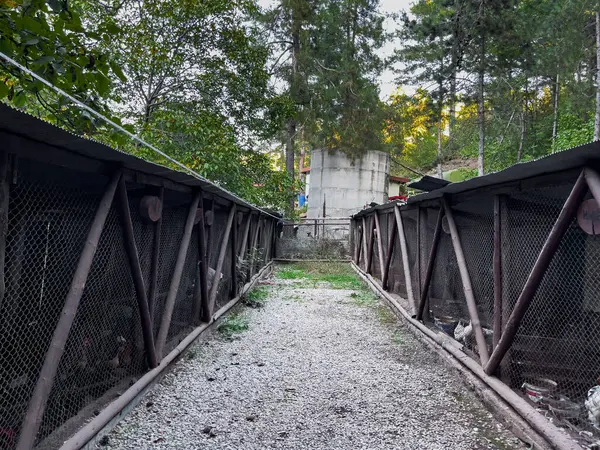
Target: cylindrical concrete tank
x=342, y=187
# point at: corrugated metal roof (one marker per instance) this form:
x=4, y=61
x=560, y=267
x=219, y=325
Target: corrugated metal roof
x=16, y=122
x=576, y=157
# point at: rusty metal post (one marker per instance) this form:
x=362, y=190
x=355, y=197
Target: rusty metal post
x=405, y=262
x=430, y=264
x=201, y=293
x=41, y=392
x=536, y=275
x=390, y=252
x=380, y=252
x=371, y=244
x=245, y=236
x=136, y=274
x=497, y=269
x=154, y=263
x=466, y=282
x=222, y=252
x=165, y=323
x=234, y=257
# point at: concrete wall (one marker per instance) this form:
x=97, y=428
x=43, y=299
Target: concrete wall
x=346, y=187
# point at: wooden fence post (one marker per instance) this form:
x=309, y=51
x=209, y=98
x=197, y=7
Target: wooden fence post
x=254, y=244
x=154, y=263
x=234, y=257
x=136, y=274
x=390, y=252
x=165, y=323
x=201, y=293
x=244, y=244
x=466, y=282
x=430, y=264
x=405, y=262
x=364, y=241
x=380, y=252
x=222, y=252
x=41, y=392
x=371, y=244
x=497, y=270
x=536, y=275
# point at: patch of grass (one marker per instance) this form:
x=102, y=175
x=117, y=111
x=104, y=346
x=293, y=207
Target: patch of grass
x=363, y=297
x=256, y=297
x=398, y=338
x=385, y=315
x=233, y=324
x=337, y=275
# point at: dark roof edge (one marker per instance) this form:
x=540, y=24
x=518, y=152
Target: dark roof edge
x=563, y=161
x=22, y=124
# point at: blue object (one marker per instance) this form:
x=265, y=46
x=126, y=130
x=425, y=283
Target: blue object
x=301, y=200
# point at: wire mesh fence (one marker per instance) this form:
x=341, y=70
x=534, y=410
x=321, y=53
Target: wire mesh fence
x=326, y=239
x=50, y=213
x=554, y=359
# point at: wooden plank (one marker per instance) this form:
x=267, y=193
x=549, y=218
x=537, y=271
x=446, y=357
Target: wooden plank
x=41, y=392
x=244, y=244
x=201, y=311
x=212, y=297
x=430, y=264
x=497, y=270
x=380, y=250
x=165, y=323
x=466, y=282
x=136, y=274
x=234, y=258
x=254, y=244
x=569, y=210
x=371, y=244
x=405, y=262
x=390, y=252
x=154, y=263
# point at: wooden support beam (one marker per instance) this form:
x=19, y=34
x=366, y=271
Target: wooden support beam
x=569, y=210
x=497, y=270
x=380, y=251
x=593, y=181
x=244, y=244
x=390, y=252
x=358, y=243
x=466, y=282
x=41, y=392
x=430, y=264
x=201, y=310
x=4, y=201
x=154, y=263
x=405, y=262
x=365, y=233
x=371, y=244
x=254, y=244
x=420, y=240
x=136, y=274
x=165, y=323
x=234, y=258
x=212, y=297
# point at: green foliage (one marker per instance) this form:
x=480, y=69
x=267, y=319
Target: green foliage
x=335, y=275
x=461, y=174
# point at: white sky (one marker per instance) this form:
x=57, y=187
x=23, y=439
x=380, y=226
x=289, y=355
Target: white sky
x=386, y=81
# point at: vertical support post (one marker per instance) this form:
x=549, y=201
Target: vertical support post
x=136, y=274
x=542, y=263
x=4, y=203
x=390, y=251
x=467, y=287
x=358, y=243
x=222, y=252
x=165, y=323
x=419, y=242
x=41, y=392
x=364, y=241
x=430, y=264
x=371, y=242
x=316, y=228
x=154, y=263
x=201, y=293
x=234, y=257
x=253, y=246
x=380, y=252
x=405, y=263
x=245, y=238
x=497, y=270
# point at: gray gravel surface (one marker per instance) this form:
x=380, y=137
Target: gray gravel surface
x=317, y=368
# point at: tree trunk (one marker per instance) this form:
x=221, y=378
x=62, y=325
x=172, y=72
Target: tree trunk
x=301, y=162
x=481, y=110
x=291, y=125
x=523, y=135
x=452, y=103
x=556, y=92
x=597, y=120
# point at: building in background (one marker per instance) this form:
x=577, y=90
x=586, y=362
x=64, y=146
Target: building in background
x=336, y=187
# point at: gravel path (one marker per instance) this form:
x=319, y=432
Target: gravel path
x=317, y=368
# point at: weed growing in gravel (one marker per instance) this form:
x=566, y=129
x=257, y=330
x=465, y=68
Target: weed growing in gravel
x=364, y=297
x=256, y=297
x=233, y=324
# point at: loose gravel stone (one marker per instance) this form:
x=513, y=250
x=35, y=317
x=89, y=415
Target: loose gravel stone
x=315, y=370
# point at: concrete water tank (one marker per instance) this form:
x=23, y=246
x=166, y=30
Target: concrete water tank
x=343, y=186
